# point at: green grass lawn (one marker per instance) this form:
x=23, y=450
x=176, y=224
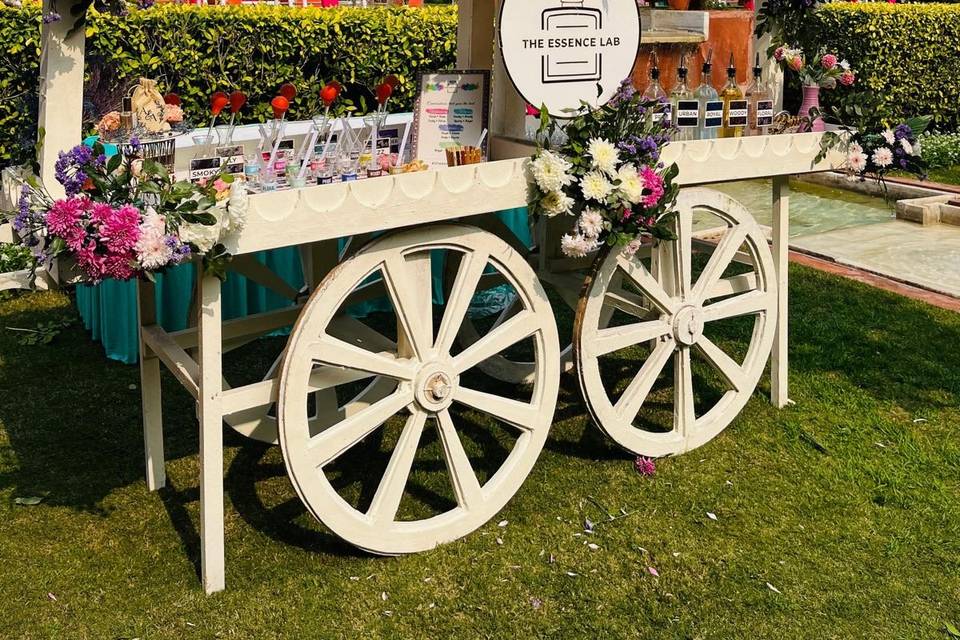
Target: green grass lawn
x=836, y=518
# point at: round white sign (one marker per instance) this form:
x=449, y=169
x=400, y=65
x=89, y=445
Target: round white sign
x=556, y=52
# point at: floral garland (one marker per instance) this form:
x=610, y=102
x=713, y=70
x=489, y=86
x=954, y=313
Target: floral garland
x=607, y=174
x=124, y=217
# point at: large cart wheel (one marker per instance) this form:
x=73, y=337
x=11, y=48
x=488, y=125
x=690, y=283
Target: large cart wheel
x=678, y=308
x=428, y=390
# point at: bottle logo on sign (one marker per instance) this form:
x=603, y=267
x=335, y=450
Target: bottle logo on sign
x=561, y=52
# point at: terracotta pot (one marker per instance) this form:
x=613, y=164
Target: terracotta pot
x=679, y=5
x=811, y=100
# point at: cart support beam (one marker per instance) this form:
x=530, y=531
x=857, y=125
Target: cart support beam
x=781, y=259
x=211, y=436
x=150, y=394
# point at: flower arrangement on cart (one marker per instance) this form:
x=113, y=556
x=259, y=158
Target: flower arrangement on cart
x=607, y=174
x=124, y=217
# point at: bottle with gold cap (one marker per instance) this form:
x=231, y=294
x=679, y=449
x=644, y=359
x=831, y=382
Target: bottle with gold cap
x=734, y=105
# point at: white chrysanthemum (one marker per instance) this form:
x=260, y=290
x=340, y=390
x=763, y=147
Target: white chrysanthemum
x=883, y=157
x=907, y=147
x=556, y=203
x=550, y=171
x=591, y=223
x=577, y=246
x=845, y=65
x=153, y=251
x=854, y=148
x=595, y=186
x=632, y=247
x=203, y=236
x=889, y=136
x=631, y=184
x=604, y=154
x=237, y=207
x=857, y=161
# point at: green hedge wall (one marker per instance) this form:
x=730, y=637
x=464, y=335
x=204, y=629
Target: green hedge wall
x=908, y=55
x=195, y=51
x=19, y=70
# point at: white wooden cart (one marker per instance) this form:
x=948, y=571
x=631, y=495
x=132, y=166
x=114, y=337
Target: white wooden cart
x=418, y=374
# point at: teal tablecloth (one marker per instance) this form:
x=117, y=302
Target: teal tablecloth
x=109, y=310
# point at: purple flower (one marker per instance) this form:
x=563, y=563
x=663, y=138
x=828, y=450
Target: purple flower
x=23, y=215
x=903, y=131
x=145, y=4
x=51, y=17
x=135, y=145
x=645, y=466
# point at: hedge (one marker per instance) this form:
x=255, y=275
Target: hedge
x=908, y=55
x=19, y=70
x=195, y=51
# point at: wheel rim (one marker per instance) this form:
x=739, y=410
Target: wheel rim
x=429, y=388
x=672, y=311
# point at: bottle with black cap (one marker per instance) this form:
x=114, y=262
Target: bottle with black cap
x=734, y=106
x=654, y=91
x=711, y=107
x=760, y=102
x=684, y=105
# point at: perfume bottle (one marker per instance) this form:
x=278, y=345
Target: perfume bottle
x=710, y=115
x=571, y=21
x=655, y=92
x=685, y=107
x=126, y=117
x=251, y=171
x=734, y=106
x=759, y=102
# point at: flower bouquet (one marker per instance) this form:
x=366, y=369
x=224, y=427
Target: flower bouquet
x=607, y=174
x=124, y=217
x=825, y=71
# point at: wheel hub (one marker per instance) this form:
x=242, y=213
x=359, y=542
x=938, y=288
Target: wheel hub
x=435, y=385
x=688, y=325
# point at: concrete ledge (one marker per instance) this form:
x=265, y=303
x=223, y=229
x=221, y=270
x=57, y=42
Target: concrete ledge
x=930, y=210
x=895, y=190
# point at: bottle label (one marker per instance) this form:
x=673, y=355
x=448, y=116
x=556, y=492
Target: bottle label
x=738, y=114
x=764, y=113
x=659, y=115
x=688, y=113
x=713, y=114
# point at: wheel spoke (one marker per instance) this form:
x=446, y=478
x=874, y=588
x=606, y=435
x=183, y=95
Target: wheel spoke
x=680, y=252
x=724, y=254
x=411, y=290
x=386, y=501
x=724, y=364
x=743, y=305
x=626, y=302
x=337, y=353
x=646, y=282
x=352, y=331
x=743, y=283
x=519, y=414
x=497, y=341
x=616, y=338
x=466, y=487
x=684, y=416
x=472, y=266
x=629, y=404
x=332, y=443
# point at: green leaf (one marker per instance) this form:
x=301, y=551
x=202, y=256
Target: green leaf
x=952, y=630
x=29, y=501
x=114, y=162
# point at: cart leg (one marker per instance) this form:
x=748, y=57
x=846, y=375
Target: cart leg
x=781, y=259
x=150, y=393
x=211, y=437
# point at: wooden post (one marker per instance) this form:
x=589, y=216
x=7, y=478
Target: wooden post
x=781, y=260
x=61, y=91
x=211, y=436
x=150, y=393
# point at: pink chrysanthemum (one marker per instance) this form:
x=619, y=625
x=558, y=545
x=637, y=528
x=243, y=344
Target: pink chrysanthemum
x=654, y=185
x=847, y=78
x=121, y=230
x=63, y=216
x=100, y=213
x=90, y=262
x=645, y=466
x=829, y=61
x=119, y=267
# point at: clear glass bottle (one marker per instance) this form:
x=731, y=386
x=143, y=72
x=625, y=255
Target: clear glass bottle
x=759, y=102
x=684, y=106
x=711, y=107
x=655, y=92
x=734, y=106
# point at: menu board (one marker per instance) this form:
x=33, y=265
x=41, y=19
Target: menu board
x=453, y=109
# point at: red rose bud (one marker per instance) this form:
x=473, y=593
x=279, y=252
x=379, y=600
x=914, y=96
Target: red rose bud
x=218, y=102
x=172, y=98
x=288, y=91
x=330, y=93
x=392, y=80
x=533, y=111
x=384, y=91
x=280, y=105
x=237, y=100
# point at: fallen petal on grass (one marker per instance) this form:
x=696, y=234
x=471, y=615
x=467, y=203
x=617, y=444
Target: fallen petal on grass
x=653, y=571
x=711, y=515
x=772, y=588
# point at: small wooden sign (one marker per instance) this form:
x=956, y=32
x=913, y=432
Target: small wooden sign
x=453, y=109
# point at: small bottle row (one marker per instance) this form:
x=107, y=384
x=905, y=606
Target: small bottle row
x=705, y=112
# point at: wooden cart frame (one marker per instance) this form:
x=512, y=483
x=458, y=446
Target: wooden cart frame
x=314, y=218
